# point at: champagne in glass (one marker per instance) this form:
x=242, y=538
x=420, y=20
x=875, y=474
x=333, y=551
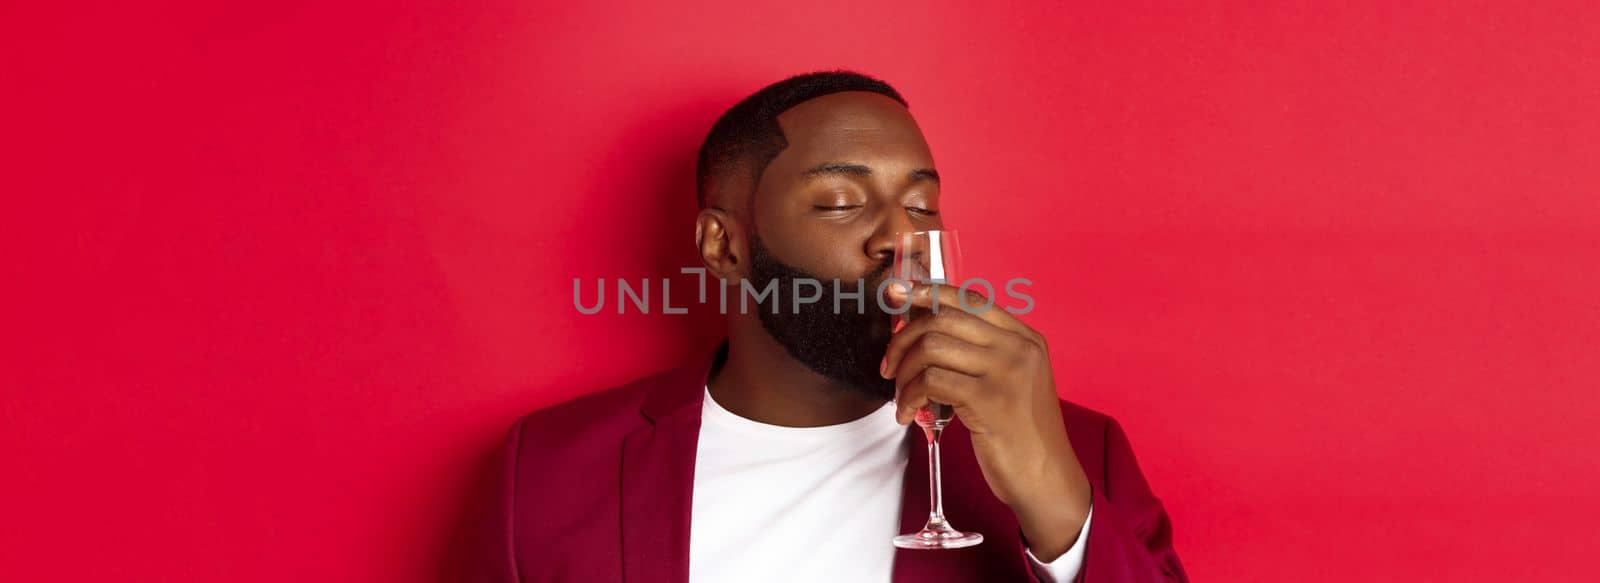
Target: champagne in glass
x=931, y=257
x=933, y=413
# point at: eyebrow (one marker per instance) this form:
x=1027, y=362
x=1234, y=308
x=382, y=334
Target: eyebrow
x=859, y=170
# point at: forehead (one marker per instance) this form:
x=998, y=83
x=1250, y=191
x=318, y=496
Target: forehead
x=850, y=126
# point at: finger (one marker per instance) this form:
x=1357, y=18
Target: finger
x=935, y=385
x=946, y=352
x=943, y=298
x=956, y=324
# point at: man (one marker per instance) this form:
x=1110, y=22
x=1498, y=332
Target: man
x=785, y=456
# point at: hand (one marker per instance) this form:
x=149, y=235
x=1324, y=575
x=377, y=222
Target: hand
x=995, y=371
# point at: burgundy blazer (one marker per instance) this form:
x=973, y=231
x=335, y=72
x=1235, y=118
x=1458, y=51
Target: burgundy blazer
x=599, y=488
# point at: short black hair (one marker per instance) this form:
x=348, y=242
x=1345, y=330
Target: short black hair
x=747, y=136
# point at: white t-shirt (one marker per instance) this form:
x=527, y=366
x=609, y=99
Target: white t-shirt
x=807, y=503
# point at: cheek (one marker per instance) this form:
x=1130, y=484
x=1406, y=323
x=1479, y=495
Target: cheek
x=849, y=261
x=837, y=250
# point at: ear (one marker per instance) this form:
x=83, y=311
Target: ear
x=722, y=244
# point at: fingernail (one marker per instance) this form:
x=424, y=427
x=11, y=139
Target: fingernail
x=883, y=367
x=897, y=290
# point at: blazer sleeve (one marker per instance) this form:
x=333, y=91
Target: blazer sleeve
x=487, y=553
x=1132, y=536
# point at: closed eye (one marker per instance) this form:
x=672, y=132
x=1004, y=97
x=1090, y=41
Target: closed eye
x=822, y=207
x=923, y=211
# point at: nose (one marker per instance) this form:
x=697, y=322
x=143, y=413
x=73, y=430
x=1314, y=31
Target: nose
x=880, y=246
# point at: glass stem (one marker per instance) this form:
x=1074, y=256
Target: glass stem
x=935, y=484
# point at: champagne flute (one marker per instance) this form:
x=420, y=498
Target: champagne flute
x=931, y=257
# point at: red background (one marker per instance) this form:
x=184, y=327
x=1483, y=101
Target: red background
x=278, y=277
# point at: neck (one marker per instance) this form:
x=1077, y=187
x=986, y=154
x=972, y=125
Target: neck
x=761, y=382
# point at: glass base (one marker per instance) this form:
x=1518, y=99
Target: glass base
x=947, y=538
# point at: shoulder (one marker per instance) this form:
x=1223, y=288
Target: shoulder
x=1106, y=455
x=1097, y=438
x=1075, y=414
x=1086, y=424
x=602, y=415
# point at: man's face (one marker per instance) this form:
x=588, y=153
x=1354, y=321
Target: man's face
x=856, y=172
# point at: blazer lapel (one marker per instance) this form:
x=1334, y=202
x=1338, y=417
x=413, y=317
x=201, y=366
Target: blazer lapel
x=658, y=478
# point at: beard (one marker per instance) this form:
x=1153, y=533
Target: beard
x=842, y=345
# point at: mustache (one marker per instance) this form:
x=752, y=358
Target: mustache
x=879, y=272
x=873, y=278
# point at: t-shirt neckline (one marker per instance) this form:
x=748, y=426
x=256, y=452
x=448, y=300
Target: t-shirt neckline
x=714, y=412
